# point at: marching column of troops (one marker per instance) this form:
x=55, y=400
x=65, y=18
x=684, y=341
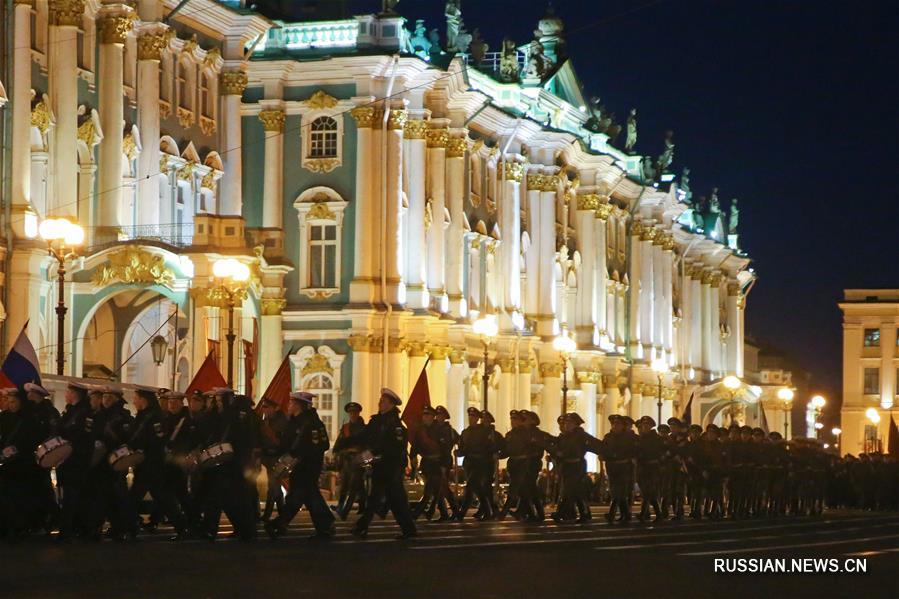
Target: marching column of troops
x=199, y=460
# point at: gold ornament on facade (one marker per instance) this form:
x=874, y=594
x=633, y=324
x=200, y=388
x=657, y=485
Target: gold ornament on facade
x=133, y=266
x=456, y=146
x=429, y=215
x=417, y=349
x=669, y=243
x=151, y=45
x=190, y=45
x=359, y=343
x=588, y=201
x=320, y=211
x=437, y=138
x=397, y=119
x=129, y=146
x=233, y=82
x=273, y=306
x=208, y=181
x=212, y=57
x=87, y=133
x=706, y=277
x=457, y=356
x=733, y=289
x=272, y=119
x=551, y=370
x=217, y=297
x=439, y=352
x=185, y=117
x=364, y=116
x=317, y=364
x=491, y=246
x=603, y=211
x=637, y=229
x=28, y=2
x=115, y=30
x=649, y=233
x=186, y=172
x=165, y=109
x=589, y=378
x=512, y=171
x=66, y=13
x=40, y=116
x=163, y=164
x=415, y=129
x=395, y=345
x=207, y=125
x=321, y=165
x=321, y=101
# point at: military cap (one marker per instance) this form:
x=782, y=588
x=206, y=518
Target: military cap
x=575, y=418
x=173, y=395
x=775, y=436
x=442, y=411
x=352, y=406
x=746, y=429
x=76, y=386
x=161, y=391
x=198, y=395
x=35, y=388
x=514, y=414
x=674, y=421
x=428, y=411
x=646, y=420
x=628, y=421
x=148, y=393
x=695, y=427
x=758, y=431
x=485, y=415
x=613, y=418
x=222, y=391
x=533, y=416
x=664, y=428
x=391, y=395
x=712, y=427
x=109, y=390
x=94, y=390
x=472, y=411
x=302, y=397
x=560, y=418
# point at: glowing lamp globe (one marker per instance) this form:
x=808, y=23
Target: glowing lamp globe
x=564, y=344
x=785, y=394
x=731, y=382
x=485, y=326
x=818, y=402
x=660, y=365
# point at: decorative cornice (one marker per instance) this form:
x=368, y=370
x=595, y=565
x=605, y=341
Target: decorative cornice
x=589, y=378
x=541, y=182
x=437, y=137
x=456, y=146
x=603, y=211
x=115, y=30
x=66, y=13
x=415, y=129
x=397, y=119
x=151, y=45
x=273, y=306
x=364, y=116
x=513, y=171
x=133, y=266
x=272, y=119
x=589, y=201
x=321, y=101
x=233, y=83
x=551, y=369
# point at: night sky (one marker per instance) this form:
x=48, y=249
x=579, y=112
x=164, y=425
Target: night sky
x=789, y=106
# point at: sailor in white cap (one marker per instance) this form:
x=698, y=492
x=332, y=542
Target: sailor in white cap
x=391, y=395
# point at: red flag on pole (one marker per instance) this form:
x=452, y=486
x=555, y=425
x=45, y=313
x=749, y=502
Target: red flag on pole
x=418, y=400
x=5, y=382
x=207, y=377
x=280, y=385
x=893, y=438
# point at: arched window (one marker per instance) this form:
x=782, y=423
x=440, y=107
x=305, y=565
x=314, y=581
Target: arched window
x=323, y=138
x=322, y=386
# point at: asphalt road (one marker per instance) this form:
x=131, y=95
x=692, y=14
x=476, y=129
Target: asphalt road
x=473, y=559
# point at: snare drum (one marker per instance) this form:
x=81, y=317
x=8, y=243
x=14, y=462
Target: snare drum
x=53, y=452
x=284, y=466
x=8, y=454
x=365, y=459
x=124, y=458
x=216, y=455
x=99, y=453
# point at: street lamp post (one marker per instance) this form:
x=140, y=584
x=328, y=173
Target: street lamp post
x=660, y=367
x=487, y=328
x=732, y=384
x=874, y=419
x=785, y=395
x=62, y=237
x=234, y=276
x=837, y=431
x=566, y=346
x=818, y=402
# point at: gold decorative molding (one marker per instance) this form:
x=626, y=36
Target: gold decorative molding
x=395, y=345
x=272, y=119
x=165, y=109
x=669, y=244
x=273, y=306
x=212, y=57
x=456, y=146
x=28, y=2
x=506, y=365
x=603, y=211
x=320, y=211
x=217, y=296
x=359, y=343
x=637, y=229
x=364, y=116
x=190, y=45
x=706, y=277
x=208, y=181
x=66, y=13
x=733, y=289
x=439, y=352
x=397, y=119
x=133, y=266
x=457, y=356
x=233, y=82
x=185, y=117
x=649, y=233
x=589, y=201
x=87, y=133
x=512, y=171
x=129, y=146
x=437, y=137
x=207, y=125
x=40, y=116
x=551, y=370
x=321, y=165
x=317, y=364
x=151, y=45
x=115, y=30
x=321, y=101
x=417, y=349
x=415, y=129
x=186, y=172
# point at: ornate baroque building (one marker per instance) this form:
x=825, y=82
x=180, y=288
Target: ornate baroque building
x=385, y=188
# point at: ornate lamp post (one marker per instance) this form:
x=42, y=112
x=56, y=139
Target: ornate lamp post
x=487, y=328
x=62, y=237
x=732, y=384
x=158, y=346
x=660, y=367
x=818, y=402
x=785, y=395
x=233, y=276
x=836, y=432
x=566, y=346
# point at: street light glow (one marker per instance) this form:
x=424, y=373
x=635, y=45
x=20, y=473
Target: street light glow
x=818, y=402
x=731, y=382
x=818, y=426
x=872, y=415
x=660, y=365
x=564, y=344
x=785, y=394
x=485, y=326
x=836, y=431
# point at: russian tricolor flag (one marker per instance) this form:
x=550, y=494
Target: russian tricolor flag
x=21, y=365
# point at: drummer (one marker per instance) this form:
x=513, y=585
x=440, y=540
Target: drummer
x=71, y=475
x=115, y=429
x=47, y=417
x=18, y=437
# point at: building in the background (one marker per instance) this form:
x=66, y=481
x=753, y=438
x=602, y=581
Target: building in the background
x=386, y=187
x=774, y=371
x=870, y=368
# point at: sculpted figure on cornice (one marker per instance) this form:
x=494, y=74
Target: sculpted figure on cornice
x=631, y=140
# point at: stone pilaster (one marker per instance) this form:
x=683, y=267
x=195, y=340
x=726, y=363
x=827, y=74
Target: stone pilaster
x=455, y=198
x=436, y=138
x=21, y=106
x=417, y=215
x=510, y=175
x=151, y=43
x=232, y=84
x=272, y=195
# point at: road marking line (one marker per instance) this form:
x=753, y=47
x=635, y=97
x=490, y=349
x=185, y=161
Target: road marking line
x=794, y=546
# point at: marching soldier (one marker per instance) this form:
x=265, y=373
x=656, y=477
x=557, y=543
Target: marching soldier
x=47, y=418
x=71, y=475
x=386, y=438
x=515, y=449
x=179, y=441
x=347, y=447
x=449, y=438
x=272, y=428
x=306, y=440
x=541, y=441
x=428, y=443
x=477, y=449
x=571, y=447
x=650, y=449
x=19, y=435
x=619, y=449
x=115, y=428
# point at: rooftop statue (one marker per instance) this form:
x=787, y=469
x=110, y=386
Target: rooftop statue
x=631, y=139
x=419, y=40
x=734, y=217
x=434, y=38
x=596, y=112
x=538, y=63
x=508, y=62
x=388, y=5
x=685, y=182
x=463, y=38
x=714, y=204
x=453, y=14
x=667, y=156
x=698, y=209
x=649, y=171
x=478, y=47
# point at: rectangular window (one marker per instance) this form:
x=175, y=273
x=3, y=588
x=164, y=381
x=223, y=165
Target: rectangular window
x=323, y=256
x=872, y=381
x=80, y=49
x=872, y=337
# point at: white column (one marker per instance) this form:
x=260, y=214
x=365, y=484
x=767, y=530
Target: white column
x=455, y=199
x=694, y=338
x=734, y=341
x=510, y=228
x=273, y=185
x=715, y=324
x=20, y=148
x=532, y=259
x=523, y=399
x=547, y=257
x=65, y=19
x=585, y=228
x=394, y=176
x=436, y=184
x=707, y=309
x=586, y=407
x=113, y=29
x=612, y=400
x=634, y=291
x=741, y=335
x=150, y=46
x=231, y=86
x=416, y=245
x=551, y=396
x=506, y=396
x=611, y=319
x=271, y=344
x=600, y=273
x=646, y=294
x=365, y=249
x=658, y=298
x=668, y=298
x=362, y=391
x=455, y=389
x=437, y=376
x=620, y=309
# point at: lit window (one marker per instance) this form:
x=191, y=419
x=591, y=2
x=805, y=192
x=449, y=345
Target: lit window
x=872, y=381
x=320, y=211
x=322, y=256
x=323, y=138
x=183, y=87
x=872, y=337
x=322, y=386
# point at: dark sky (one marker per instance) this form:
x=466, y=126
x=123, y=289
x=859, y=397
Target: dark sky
x=792, y=107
